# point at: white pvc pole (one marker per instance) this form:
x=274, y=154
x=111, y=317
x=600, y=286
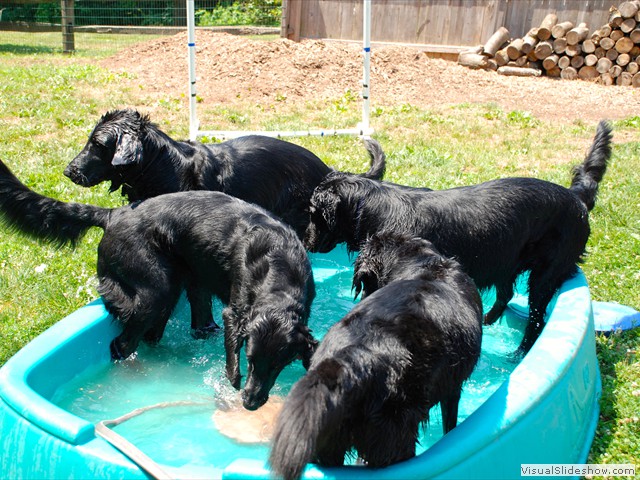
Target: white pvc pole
x=366, y=51
x=363, y=129
x=226, y=134
x=191, y=45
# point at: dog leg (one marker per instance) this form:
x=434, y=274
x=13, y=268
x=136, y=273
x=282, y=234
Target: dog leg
x=504, y=294
x=332, y=445
x=543, y=284
x=202, y=323
x=127, y=342
x=232, y=346
x=147, y=320
x=332, y=451
x=449, y=409
x=388, y=437
x=154, y=333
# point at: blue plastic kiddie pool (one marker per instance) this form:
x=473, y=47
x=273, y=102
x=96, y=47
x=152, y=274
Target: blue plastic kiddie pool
x=56, y=389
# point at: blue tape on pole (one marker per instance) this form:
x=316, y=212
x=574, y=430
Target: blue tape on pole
x=367, y=49
x=191, y=44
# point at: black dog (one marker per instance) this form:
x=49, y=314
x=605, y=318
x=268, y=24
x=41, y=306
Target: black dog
x=400, y=351
x=496, y=230
x=133, y=153
x=150, y=250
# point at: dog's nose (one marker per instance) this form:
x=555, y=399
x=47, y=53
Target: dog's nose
x=73, y=173
x=69, y=172
x=251, y=402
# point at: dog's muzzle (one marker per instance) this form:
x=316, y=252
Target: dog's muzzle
x=253, y=402
x=73, y=173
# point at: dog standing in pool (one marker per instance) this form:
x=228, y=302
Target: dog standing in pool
x=497, y=230
x=404, y=348
x=151, y=250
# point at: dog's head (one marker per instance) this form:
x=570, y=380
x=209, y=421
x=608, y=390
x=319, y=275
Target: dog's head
x=330, y=216
x=388, y=256
x=114, y=145
x=272, y=343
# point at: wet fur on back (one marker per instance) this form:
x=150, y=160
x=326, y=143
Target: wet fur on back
x=207, y=242
x=496, y=230
x=401, y=350
x=131, y=152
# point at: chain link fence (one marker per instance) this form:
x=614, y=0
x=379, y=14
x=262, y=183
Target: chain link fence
x=103, y=27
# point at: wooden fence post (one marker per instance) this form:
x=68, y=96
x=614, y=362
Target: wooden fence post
x=291, y=13
x=179, y=13
x=284, y=19
x=67, y=20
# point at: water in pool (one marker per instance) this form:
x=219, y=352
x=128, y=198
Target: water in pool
x=181, y=369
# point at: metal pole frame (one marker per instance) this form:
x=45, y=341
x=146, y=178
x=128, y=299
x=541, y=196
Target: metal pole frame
x=363, y=129
x=194, y=125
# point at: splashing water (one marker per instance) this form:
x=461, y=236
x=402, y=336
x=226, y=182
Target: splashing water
x=187, y=370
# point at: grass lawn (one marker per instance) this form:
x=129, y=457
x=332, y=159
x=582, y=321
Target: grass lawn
x=49, y=103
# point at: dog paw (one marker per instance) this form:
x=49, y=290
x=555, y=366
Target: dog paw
x=116, y=354
x=489, y=319
x=205, y=332
x=516, y=356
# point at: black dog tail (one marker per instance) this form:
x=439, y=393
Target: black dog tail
x=378, y=160
x=315, y=406
x=588, y=174
x=42, y=217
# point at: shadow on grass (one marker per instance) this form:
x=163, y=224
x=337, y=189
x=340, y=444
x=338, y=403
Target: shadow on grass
x=27, y=49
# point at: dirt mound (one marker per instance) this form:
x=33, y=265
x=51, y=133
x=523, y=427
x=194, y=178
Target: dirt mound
x=233, y=68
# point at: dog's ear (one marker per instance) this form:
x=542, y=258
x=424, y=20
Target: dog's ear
x=366, y=279
x=357, y=283
x=328, y=202
x=128, y=149
x=367, y=270
x=307, y=344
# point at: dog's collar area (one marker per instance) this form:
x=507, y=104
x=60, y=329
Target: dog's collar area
x=128, y=184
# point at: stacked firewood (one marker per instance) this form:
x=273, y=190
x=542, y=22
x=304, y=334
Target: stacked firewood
x=608, y=55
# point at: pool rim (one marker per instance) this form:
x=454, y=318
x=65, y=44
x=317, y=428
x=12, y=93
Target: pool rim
x=479, y=430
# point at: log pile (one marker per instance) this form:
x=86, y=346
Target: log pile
x=609, y=55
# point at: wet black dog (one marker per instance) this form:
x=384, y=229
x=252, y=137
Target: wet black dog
x=404, y=348
x=133, y=153
x=496, y=230
x=152, y=249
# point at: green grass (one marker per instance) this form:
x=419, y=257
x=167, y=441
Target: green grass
x=245, y=12
x=87, y=45
x=50, y=102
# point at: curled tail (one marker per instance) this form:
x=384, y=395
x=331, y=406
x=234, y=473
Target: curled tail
x=588, y=174
x=42, y=217
x=311, y=416
x=378, y=160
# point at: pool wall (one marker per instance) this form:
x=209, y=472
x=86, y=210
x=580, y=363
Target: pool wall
x=546, y=412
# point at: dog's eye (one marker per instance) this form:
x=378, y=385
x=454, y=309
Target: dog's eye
x=100, y=146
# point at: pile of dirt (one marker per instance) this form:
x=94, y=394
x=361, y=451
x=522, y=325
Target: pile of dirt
x=233, y=69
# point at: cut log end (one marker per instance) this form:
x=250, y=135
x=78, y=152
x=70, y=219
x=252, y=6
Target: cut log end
x=519, y=71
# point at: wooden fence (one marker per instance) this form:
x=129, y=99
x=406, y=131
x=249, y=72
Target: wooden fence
x=438, y=25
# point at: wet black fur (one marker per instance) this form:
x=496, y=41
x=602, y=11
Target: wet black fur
x=404, y=348
x=133, y=153
x=496, y=230
x=210, y=243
